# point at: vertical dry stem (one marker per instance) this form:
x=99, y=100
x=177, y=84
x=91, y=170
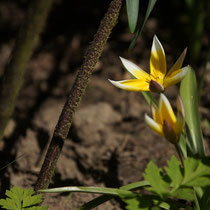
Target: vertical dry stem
x=25, y=43
x=91, y=57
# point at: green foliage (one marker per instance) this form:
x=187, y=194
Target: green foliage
x=132, y=11
x=189, y=94
x=103, y=198
x=19, y=198
x=173, y=183
x=150, y=7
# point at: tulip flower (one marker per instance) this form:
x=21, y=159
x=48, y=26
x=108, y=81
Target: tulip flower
x=164, y=121
x=159, y=78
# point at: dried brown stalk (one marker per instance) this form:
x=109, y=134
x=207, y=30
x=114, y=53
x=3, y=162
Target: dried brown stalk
x=62, y=128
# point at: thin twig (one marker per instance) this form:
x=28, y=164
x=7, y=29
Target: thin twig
x=91, y=57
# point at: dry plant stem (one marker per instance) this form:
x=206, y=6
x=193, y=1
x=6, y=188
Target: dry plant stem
x=13, y=77
x=62, y=128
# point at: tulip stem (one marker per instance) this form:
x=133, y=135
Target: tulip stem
x=179, y=154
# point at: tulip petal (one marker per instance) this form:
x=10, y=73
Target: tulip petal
x=178, y=63
x=131, y=85
x=180, y=106
x=135, y=70
x=153, y=125
x=166, y=111
x=157, y=61
x=179, y=125
x=175, y=76
x=156, y=114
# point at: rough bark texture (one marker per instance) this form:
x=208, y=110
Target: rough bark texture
x=91, y=57
x=13, y=77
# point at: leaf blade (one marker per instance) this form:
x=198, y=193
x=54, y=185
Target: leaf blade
x=150, y=7
x=189, y=95
x=132, y=12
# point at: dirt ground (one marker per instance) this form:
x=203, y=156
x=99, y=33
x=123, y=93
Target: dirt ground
x=109, y=143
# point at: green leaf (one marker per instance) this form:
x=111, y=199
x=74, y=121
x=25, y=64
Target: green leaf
x=184, y=194
x=139, y=202
x=97, y=190
x=205, y=200
x=150, y=7
x=145, y=202
x=174, y=171
x=188, y=92
x=19, y=198
x=196, y=172
x=154, y=176
x=8, y=204
x=103, y=198
x=132, y=12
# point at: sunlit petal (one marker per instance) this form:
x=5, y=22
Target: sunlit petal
x=166, y=110
x=175, y=76
x=178, y=63
x=157, y=61
x=153, y=125
x=131, y=85
x=135, y=70
x=156, y=114
x=179, y=124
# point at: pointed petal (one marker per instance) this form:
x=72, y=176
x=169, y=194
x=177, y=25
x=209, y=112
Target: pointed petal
x=156, y=114
x=153, y=125
x=134, y=69
x=175, y=77
x=157, y=61
x=131, y=85
x=166, y=110
x=180, y=106
x=179, y=125
x=178, y=63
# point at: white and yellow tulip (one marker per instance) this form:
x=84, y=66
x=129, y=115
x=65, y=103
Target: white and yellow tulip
x=158, y=79
x=164, y=121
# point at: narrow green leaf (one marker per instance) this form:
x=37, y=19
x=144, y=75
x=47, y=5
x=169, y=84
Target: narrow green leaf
x=97, y=190
x=183, y=145
x=132, y=12
x=103, y=198
x=205, y=200
x=188, y=92
x=150, y=7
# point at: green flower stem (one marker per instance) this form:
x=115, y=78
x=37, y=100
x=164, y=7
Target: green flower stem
x=179, y=153
x=26, y=41
x=64, y=123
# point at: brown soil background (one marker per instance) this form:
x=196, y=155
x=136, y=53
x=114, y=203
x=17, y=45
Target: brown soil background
x=109, y=143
